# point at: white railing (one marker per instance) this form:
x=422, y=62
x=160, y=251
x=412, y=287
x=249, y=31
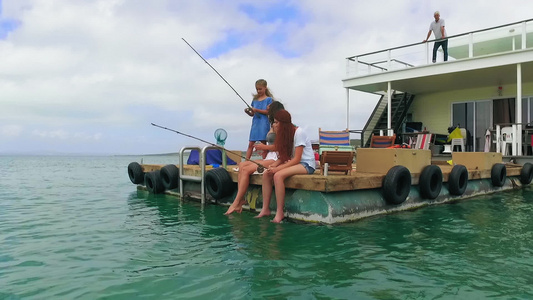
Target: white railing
x=500, y=39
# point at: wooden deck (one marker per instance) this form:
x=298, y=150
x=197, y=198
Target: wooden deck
x=340, y=182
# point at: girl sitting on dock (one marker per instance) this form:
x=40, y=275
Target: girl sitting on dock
x=295, y=156
x=247, y=168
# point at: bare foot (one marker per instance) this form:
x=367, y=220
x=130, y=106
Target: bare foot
x=232, y=209
x=263, y=213
x=235, y=207
x=277, y=219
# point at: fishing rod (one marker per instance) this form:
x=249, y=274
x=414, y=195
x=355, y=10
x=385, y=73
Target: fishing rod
x=248, y=110
x=260, y=167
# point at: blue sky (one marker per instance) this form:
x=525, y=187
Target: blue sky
x=282, y=14
x=88, y=77
x=6, y=25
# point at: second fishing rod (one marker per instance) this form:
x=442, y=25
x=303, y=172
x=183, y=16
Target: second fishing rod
x=249, y=109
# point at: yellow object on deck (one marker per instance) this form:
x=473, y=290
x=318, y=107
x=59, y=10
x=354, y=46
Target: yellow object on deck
x=455, y=134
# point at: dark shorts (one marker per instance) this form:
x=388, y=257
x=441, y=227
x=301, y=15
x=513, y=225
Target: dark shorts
x=308, y=168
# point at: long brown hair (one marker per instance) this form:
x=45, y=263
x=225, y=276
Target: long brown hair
x=284, y=142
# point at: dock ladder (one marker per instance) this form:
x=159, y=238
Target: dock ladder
x=201, y=179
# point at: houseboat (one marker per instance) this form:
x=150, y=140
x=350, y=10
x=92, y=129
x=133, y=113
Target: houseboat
x=484, y=89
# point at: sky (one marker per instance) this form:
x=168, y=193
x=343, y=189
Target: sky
x=90, y=76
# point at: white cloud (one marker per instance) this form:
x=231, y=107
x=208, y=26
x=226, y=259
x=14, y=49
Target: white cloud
x=54, y=134
x=11, y=130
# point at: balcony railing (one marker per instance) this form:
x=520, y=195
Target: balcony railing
x=505, y=38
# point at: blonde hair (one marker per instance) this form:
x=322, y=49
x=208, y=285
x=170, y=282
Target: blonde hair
x=263, y=83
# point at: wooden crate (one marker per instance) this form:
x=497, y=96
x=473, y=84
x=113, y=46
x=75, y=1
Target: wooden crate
x=476, y=160
x=376, y=160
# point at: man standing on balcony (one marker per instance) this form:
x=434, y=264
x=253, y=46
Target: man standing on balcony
x=437, y=27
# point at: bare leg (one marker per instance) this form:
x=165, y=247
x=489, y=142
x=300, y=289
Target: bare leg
x=246, y=169
x=267, y=193
x=242, y=184
x=250, y=149
x=279, y=183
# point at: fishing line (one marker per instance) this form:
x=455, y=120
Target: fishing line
x=249, y=110
x=260, y=167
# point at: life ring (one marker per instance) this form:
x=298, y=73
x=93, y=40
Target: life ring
x=170, y=175
x=526, y=174
x=498, y=174
x=396, y=185
x=135, y=172
x=458, y=180
x=430, y=182
x=219, y=183
x=153, y=182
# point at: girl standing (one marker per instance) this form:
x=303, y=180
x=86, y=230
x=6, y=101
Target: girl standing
x=295, y=156
x=260, y=124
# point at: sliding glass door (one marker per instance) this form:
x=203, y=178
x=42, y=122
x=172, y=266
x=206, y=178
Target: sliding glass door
x=476, y=118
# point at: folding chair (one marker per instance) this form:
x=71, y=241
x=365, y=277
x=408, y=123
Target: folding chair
x=334, y=141
x=335, y=150
x=423, y=141
x=338, y=161
x=382, y=141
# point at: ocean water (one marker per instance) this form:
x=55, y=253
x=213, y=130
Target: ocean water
x=76, y=228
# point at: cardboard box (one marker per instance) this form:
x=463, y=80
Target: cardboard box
x=476, y=160
x=377, y=160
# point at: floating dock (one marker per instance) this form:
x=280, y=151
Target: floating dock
x=367, y=191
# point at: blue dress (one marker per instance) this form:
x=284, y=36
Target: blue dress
x=260, y=124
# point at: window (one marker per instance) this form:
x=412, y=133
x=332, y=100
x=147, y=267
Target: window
x=527, y=111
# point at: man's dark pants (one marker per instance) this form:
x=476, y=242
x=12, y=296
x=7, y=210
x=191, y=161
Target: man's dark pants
x=444, y=44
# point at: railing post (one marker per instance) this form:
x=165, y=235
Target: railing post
x=389, y=53
x=471, y=45
x=427, y=53
x=524, y=28
x=347, y=67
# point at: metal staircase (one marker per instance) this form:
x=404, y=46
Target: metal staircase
x=400, y=104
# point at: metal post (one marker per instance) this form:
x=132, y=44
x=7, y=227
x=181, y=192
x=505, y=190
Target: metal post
x=389, y=108
x=347, y=108
x=498, y=139
x=519, y=109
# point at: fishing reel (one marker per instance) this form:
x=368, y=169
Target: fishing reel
x=260, y=169
x=249, y=111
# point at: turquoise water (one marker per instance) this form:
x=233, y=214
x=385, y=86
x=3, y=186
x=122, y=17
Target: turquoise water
x=76, y=228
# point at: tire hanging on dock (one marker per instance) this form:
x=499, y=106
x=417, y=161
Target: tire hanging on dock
x=430, y=182
x=135, y=172
x=218, y=183
x=498, y=174
x=170, y=175
x=396, y=185
x=153, y=182
x=526, y=174
x=458, y=180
